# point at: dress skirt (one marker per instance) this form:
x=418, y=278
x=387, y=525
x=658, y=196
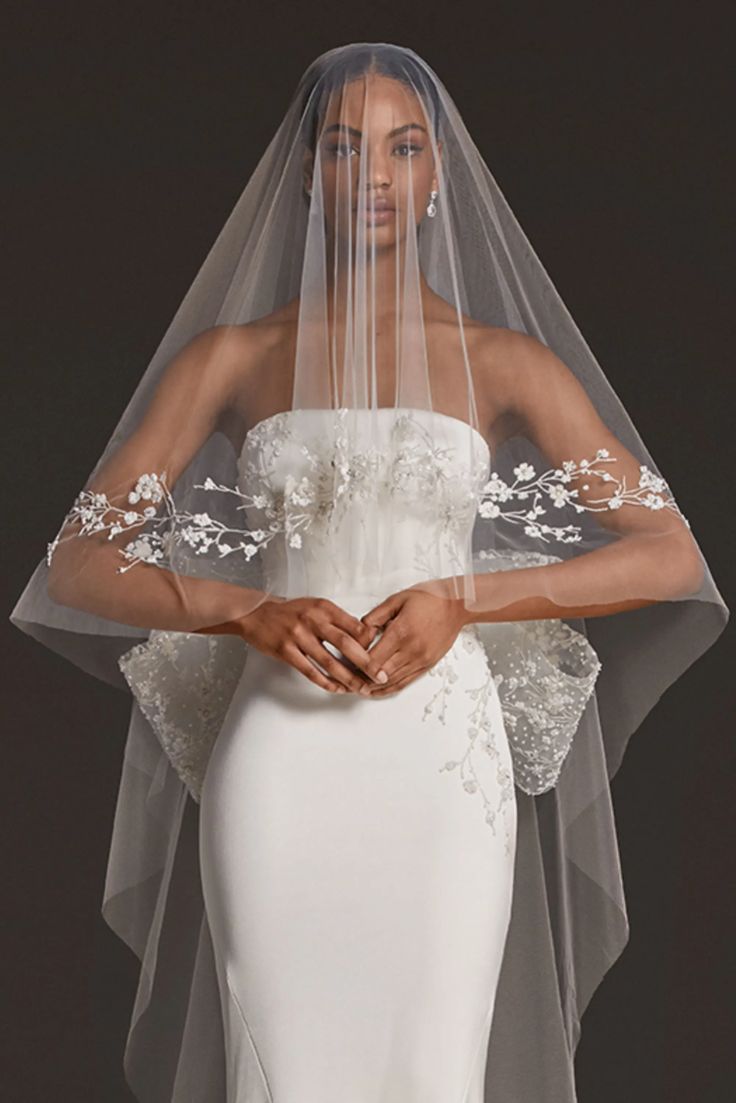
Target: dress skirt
x=357, y=862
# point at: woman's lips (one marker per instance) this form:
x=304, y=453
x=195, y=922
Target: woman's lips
x=379, y=215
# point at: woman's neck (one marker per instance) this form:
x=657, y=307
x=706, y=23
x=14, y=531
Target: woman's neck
x=383, y=295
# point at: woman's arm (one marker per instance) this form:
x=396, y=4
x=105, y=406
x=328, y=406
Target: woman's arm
x=193, y=395
x=656, y=557
x=588, y=586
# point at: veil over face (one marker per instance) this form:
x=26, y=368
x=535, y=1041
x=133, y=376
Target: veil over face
x=373, y=298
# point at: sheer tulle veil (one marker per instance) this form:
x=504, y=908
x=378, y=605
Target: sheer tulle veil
x=358, y=278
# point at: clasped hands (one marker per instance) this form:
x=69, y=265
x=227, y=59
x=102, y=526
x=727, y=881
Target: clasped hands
x=416, y=629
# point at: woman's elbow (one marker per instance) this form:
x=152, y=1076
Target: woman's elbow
x=60, y=588
x=63, y=582
x=685, y=569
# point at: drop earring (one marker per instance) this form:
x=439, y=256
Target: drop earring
x=432, y=206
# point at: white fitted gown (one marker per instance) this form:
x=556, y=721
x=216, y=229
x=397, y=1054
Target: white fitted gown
x=357, y=854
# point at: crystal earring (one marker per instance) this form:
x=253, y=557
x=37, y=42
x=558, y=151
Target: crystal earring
x=432, y=206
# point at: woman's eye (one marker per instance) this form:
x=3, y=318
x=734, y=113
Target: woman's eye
x=406, y=149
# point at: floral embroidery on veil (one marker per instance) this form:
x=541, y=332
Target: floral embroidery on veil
x=340, y=473
x=652, y=492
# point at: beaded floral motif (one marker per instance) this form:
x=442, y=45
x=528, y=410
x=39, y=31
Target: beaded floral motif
x=482, y=734
x=413, y=467
x=166, y=525
x=652, y=492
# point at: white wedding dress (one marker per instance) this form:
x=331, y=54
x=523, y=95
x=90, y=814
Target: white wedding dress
x=357, y=854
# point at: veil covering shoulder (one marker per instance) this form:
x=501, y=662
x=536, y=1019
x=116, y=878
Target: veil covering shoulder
x=375, y=274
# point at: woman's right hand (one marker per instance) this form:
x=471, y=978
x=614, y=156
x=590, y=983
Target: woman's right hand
x=294, y=630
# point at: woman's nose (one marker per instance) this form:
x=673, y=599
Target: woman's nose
x=378, y=171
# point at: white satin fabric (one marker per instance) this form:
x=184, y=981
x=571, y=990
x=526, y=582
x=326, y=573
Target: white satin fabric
x=357, y=861
x=357, y=898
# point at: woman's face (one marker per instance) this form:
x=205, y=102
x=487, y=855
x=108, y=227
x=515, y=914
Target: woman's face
x=374, y=138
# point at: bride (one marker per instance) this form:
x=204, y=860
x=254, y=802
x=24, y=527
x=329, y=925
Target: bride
x=373, y=459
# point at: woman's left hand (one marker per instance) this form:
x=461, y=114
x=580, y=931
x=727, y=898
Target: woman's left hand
x=418, y=629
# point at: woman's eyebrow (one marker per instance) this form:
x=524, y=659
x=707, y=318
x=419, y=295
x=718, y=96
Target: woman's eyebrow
x=359, y=134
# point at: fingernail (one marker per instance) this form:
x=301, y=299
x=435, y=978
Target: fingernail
x=382, y=676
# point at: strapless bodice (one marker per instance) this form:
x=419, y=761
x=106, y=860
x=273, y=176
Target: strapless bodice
x=361, y=501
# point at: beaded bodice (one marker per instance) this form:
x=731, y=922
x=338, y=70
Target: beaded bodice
x=365, y=500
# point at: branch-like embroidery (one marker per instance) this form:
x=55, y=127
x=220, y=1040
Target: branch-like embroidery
x=95, y=513
x=481, y=731
x=652, y=493
x=338, y=474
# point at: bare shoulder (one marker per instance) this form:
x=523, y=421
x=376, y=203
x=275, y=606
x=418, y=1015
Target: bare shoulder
x=507, y=358
x=240, y=350
x=542, y=398
x=515, y=375
x=518, y=367
x=236, y=360
x=256, y=369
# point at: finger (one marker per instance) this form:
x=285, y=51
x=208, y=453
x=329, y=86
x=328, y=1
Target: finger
x=334, y=667
x=317, y=624
x=411, y=667
x=294, y=657
x=364, y=634
x=397, y=675
x=349, y=648
x=391, y=652
x=393, y=667
x=380, y=614
x=394, y=687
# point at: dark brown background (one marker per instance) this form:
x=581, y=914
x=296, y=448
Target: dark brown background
x=132, y=129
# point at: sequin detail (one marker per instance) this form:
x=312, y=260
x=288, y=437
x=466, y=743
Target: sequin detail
x=545, y=673
x=183, y=684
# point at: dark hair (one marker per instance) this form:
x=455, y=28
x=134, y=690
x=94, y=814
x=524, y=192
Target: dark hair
x=336, y=67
